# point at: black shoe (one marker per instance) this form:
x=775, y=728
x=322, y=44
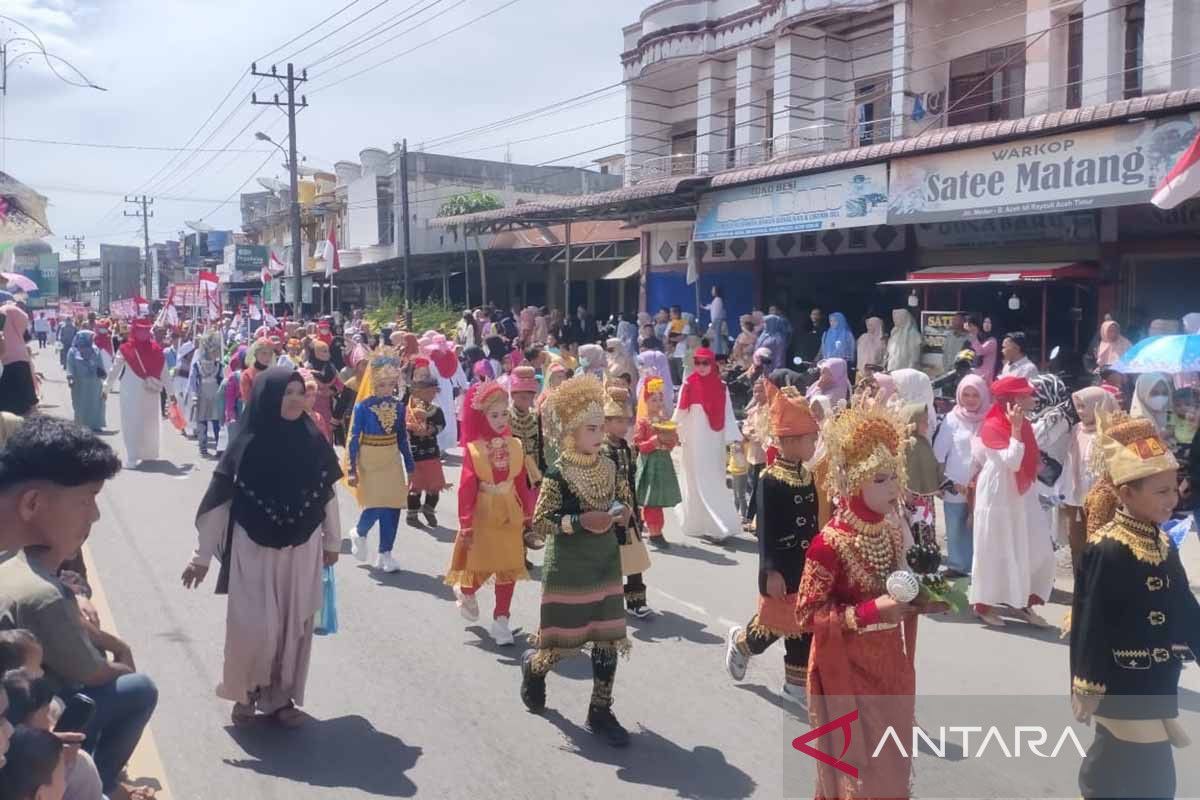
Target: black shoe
x=601, y=722
x=660, y=542
x=204, y=454
x=430, y=517
x=533, y=687
x=413, y=520
x=528, y=565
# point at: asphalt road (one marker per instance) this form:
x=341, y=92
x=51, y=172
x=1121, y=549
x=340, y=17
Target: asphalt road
x=409, y=699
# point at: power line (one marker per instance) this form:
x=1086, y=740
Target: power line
x=105, y=146
x=184, y=180
x=426, y=43
x=307, y=31
x=335, y=31
x=402, y=33
x=221, y=204
x=385, y=27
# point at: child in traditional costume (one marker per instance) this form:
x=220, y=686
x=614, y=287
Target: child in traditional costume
x=204, y=390
x=787, y=524
x=425, y=422
x=1134, y=623
x=654, y=437
x=495, y=505
x=863, y=637
x=377, y=473
x=522, y=419
x=582, y=595
x=548, y=445
x=634, y=558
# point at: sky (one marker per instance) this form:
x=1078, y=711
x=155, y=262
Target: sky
x=166, y=64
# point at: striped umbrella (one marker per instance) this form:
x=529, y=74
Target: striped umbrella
x=1169, y=354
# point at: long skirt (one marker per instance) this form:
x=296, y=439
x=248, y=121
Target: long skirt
x=583, y=598
x=17, y=393
x=657, y=485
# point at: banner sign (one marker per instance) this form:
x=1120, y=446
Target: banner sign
x=123, y=309
x=934, y=327
x=69, y=308
x=1114, y=166
x=844, y=198
x=1076, y=227
x=186, y=294
x=250, y=258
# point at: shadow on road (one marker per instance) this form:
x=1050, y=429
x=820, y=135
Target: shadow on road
x=342, y=753
x=413, y=582
x=164, y=468
x=697, y=553
x=668, y=625
x=771, y=695
x=738, y=544
x=653, y=760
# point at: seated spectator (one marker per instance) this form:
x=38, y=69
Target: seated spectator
x=20, y=649
x=30, y=705
x=34, y=769
x=50, y=474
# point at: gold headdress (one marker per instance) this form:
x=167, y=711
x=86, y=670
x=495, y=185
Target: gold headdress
x=383, y=366
x=1132, y=448
x=616, y=404
x=863, y=441
x=577, y=401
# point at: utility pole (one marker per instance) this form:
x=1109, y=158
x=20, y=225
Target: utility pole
x=408, y=323
x=77, y=241
x=290, y=107
x=145, y=213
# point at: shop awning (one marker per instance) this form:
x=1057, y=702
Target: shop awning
x=631, y=266
x=1000, y=273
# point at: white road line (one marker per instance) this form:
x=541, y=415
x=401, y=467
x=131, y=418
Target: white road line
x=698, y=609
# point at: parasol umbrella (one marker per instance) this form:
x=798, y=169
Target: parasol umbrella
x=16, y=279
x=22, y=212
x=1170, y=354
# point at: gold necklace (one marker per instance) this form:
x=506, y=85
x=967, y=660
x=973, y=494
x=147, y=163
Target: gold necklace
x=591, y=478
x=878, y=543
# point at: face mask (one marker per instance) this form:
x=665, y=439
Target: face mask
x=1157, y=403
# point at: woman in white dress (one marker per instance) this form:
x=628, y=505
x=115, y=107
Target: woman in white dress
x=270, y=515
x=1013, y=565
x=706, y=425
x=952, y=448
x=904, y=344
x=141, y=369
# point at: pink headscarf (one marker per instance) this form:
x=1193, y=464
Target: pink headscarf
x=887, y=386
x=973, y=418
x=1112, y=344
x=840, y=388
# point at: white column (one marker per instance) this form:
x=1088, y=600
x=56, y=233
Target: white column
x=1038, y=78
x=901, y=65
x=641, y=124
x=1103, y=50
x=710, y=117
x=1159, y=67
x=790, y=100
x=752, y=82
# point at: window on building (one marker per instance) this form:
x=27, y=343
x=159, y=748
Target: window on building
x=730, y=131
x=1135, y=34
x=386, y=210
x=872, y=111
x=769, y=124
x=718, y=249
x=987, y=86
x=1075, y=60
x=683, y=153
x=681, y=251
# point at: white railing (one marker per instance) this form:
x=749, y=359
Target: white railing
x=809, y=140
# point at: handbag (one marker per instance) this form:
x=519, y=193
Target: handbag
x=1049, y=470
x=635, y=559
x=150, y=383
x=326, y=621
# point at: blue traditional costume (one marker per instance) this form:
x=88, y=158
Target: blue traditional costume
x=378, y=474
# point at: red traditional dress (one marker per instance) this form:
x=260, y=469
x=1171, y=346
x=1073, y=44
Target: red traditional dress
x=856, y=655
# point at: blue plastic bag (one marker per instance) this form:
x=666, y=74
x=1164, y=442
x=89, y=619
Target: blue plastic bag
x=326, y=620
x=1177, y=530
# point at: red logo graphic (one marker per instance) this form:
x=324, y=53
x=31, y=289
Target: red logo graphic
x=842, y=723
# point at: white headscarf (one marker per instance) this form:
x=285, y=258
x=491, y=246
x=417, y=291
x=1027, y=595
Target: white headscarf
x=914, y=386
x=1140, y=407
x=904, y=345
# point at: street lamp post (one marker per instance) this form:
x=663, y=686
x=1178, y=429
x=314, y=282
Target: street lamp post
x=297, y=269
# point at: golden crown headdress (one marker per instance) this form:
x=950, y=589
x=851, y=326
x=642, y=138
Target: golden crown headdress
x=863, y=441
x=577, y=401
x=1132, y=448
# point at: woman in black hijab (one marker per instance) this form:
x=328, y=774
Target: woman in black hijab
x=271, y=493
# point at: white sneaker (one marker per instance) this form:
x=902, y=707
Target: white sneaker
x=735, y=662
x=358, y=545
x=500, y=631
x=387, y=563
x=793, y=694
x=130, y=463
x=468, y=605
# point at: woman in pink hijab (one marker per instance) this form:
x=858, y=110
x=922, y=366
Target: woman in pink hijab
x=1112, y=344
x=834, y=383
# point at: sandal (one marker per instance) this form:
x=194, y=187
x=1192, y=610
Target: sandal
x=243, y=714
x=290, y=717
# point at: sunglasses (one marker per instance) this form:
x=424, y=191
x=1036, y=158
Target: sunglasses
x=704, y=361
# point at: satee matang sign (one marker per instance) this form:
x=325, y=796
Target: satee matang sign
x=1113, y=166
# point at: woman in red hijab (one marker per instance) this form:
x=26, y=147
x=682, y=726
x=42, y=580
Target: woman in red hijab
x=706, y=426
x=141, y=367
x=1013, y=568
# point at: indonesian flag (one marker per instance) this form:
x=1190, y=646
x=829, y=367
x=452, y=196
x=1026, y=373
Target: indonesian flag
x=210, y=284
x=276, y=264
x=168, y=317
x=256, y=309
x=268, y=319
x=332, y=263
x=1183, y=181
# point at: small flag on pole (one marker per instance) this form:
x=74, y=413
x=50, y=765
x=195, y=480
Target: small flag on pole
x=1183, y=181
x=332, y=263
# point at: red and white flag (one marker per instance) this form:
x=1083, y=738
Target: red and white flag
x=276, y=264
x=1183, y=181
x=332, y=263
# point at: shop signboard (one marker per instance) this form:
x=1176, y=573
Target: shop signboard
x=934, y=327
x=1075, y=227
x=1113, y=166
x=250, y=258
x=843, y=198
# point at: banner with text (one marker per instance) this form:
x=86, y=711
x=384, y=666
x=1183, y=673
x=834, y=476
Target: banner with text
x=844, y=198
x=1112, y=166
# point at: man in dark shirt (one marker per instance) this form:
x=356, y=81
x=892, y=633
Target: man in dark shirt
x=51, y=471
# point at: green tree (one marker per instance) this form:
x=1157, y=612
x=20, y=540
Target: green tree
x=473, y=203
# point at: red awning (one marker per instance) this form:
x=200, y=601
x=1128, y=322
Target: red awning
x=1000, y=273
